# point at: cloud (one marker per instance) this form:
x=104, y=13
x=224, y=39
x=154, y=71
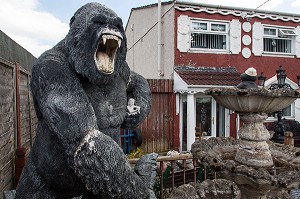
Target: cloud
x=34, y=30
x=295, y=3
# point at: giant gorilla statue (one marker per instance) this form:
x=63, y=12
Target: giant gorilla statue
x=80, y=89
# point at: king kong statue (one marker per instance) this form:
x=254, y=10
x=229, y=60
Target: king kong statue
x=80, y=89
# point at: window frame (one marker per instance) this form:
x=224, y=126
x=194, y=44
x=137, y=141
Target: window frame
x=211, y=32
x=281, y=31
x=285, y=36
x=290, y=117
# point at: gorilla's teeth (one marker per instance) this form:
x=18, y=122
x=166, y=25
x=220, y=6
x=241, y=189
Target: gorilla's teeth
x=106, y=51
x=104, y=62
x=111, y=37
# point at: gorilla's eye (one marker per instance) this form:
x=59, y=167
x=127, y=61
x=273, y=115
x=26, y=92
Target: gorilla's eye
x=108, y=45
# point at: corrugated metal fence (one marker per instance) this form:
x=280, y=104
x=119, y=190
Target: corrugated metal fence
x=17, y=117
x=158, y=127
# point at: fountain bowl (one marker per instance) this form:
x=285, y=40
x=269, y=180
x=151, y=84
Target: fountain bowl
x=218, y=153
x=255, y=100
x=254, y=163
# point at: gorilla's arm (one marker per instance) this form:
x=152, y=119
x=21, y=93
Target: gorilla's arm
x=60, y=101
x=138, y=89
x=63, y=106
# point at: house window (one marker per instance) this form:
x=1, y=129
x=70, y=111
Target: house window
x=278, y=40
x=209, y=35
x=287, y=113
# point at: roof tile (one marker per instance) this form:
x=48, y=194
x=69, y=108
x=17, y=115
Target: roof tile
x=225, y=76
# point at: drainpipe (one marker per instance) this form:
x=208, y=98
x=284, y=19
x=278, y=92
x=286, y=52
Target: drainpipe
x=20, y=152
x=159, y=43
x=132, y=29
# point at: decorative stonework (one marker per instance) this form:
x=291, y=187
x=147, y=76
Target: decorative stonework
x=252, y=105
x=183, y=37
x=246, y=40
x=246, y=52
x=254, y=182
x=217, y=188
x=254, y=163
x=257, y=37
x=297, y=45
x=253, y=148
x=246, y=26
x=237, y=13
x=235, y=36
x=254, y=100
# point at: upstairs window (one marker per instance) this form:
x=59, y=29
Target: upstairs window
x=278, y=40
x=209, y=35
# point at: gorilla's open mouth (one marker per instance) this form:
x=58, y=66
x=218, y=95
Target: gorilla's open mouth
x=108, y=45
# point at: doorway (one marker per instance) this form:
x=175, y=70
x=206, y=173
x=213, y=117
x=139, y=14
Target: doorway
x=204, y=119
x=210, y=118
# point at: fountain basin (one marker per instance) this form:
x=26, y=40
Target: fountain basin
x=253, y=162
x=219, y=154
x=252, y=105
x=254, y=100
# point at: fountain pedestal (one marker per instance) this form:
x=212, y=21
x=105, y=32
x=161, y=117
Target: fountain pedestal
x=253, y=149
x=254, y=163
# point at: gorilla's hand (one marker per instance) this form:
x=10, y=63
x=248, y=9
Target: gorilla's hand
x=146, y=169
x=138, y=89
x=131, y=121
x=104, y=168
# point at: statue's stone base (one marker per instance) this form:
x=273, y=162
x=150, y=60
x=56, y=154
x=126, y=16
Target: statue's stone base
x=253, y=149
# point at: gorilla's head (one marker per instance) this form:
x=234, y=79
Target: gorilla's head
x=96, y=44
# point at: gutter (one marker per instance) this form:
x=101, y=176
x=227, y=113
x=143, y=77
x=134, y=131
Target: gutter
x=179, y=2
x=159, y=43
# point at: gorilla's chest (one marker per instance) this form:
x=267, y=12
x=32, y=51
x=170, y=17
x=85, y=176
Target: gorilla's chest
x=109, y=102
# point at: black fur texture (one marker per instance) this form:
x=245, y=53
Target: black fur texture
x=80, y=111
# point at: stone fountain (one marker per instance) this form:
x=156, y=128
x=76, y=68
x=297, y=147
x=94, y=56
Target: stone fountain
x=253, y=162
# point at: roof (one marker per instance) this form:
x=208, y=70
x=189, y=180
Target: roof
x=153, y=5
x=250, y=10
x=223, y=76
x=183, y=5
x=148, y=6
x=236, y=11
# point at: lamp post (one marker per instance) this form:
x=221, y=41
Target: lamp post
x=262, y=79
x=298, y=80
x=279, y=129
x=281, y=76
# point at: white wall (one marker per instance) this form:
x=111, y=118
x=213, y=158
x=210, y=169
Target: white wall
x=297, y=110
x=142, y=57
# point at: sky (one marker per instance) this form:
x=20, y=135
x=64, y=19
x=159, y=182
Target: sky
x=38, y=25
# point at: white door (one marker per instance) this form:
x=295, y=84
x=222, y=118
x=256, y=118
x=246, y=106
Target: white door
x=211, y=117
x=205, y=119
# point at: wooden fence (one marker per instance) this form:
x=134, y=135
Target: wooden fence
x=17, y=119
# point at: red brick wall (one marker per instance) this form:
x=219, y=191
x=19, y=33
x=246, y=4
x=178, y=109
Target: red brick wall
x=265, y=64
